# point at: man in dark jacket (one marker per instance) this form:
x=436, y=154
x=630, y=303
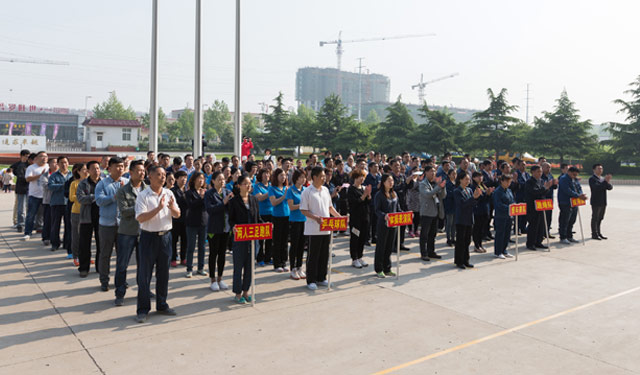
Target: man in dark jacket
x=599, y=186
x=22, y=188
x=535, y=189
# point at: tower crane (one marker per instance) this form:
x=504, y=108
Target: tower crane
x=421, y=85
x=32, y=61
x=338, y=42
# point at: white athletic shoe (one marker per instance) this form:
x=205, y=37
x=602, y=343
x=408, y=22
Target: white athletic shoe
x=222, y=285
x=301, y=274
x=324, y=283
x=294, y=274
x=499, y=256
x=26, y=237
x=214, y=287
x=356, y=264
x=188, y=275
x=312, y=286
x=507, y=255
x=363, y=263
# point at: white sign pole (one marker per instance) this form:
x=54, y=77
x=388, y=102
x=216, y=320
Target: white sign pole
x=516, y=238
x=581, y=231
x=546, y=228
x=330, y=259
x=398, y=255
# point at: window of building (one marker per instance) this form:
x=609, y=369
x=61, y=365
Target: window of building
x=126, y=134
x=99, y=137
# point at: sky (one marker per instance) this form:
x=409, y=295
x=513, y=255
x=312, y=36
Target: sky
x=587, y=47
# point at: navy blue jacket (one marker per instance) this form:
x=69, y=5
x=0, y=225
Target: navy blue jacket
x=599, y=187
x=196, y=214
x=383, y=206
x=567, y=189
x=217, y=210
x=464, y=206
x=448, y=201
x=482, y=207
x=546, y=178
x=502, y=198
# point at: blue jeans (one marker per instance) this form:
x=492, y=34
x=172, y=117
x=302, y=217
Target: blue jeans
x=192, y=233
x=22, y=200
x=126, y=245
x=503, y=230
x=566, y=220
x=32, y=210
x=153, y=250
x=241, y=261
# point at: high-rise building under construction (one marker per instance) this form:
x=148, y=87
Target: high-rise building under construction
x=313, y=85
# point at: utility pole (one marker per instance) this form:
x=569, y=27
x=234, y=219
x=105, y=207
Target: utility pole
x=153, y=108
x=238, y=115
x=360, y=89
x=197, y=107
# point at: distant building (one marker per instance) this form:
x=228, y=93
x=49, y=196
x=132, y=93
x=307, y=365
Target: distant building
x=53, y=123
x=313, y=85
x=111, y=135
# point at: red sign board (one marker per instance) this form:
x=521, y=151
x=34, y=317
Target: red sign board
x=517, y=209
x=544, y=205
x=334, y=223
x=399, y=219
x=575, y=202
x=252, y=232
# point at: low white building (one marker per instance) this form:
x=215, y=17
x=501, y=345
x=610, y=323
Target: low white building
x=111, y=135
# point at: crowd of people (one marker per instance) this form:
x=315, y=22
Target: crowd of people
x=165, y=209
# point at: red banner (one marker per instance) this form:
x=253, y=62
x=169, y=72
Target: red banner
x=334, y=224
x=252, y=232
x=517, y=209
x=575, y=202
x=399, y=219
x=544, y=205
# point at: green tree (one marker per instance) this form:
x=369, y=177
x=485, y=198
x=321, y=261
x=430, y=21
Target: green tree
x=490, y=128
x=276, y=125
x=182, y=129
x=217, y=126
x=395, y=134
x=522, y=139
x=625, y=140
x=333, y=116
x=112, y=108
x=250, y=129
x=561, y=133
x=372, y=123
x=440, y=132
x=162, y=121
x=303, y=125
x=352, y=136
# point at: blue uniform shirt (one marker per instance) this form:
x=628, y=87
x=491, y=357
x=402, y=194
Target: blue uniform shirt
x=265, y=206
x=281, y=210
x=294, y=193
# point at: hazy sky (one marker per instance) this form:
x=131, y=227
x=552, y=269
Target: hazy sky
x=587, y=47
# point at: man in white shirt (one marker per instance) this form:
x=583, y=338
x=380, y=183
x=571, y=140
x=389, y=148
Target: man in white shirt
x=32, y=175
x=315, y=203
x=155, y=208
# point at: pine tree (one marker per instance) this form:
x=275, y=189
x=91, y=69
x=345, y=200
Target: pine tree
x=626, y=137
x=277, y=134
x=490, y=128
x=395, y=133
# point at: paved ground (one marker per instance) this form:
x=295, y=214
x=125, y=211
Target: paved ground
x=573, y=310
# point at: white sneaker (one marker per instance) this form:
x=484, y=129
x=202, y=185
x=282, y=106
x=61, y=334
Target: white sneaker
x=324, y=283
x=26, y=237
x=294, y=274
x=188, y=275
x=507, y=255
x=312, y=286
x=499, y=256
x=301, y=273
x=214, y=286
x=564, y=242
x=356, y=264
x=279, y=270
x=285, y=269
x=363, y=263
x=203, y=273
x=222, y=285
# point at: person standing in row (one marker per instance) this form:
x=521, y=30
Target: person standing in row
x=261, y=192
x=480, y=211
x=22, y=188
x=58, y=202
x=547, y=176
x=277, y=192
x=432, y=194
x=373, y=179
x=450, y=206
x=196, y=222
x=502, y=199
x=106, y=199
x=178, y=228
x=315, y=204
x=465, y=200
x=155, y=208
x=46, y=202
x=32, y=175
x=385, y=203
x=536, y=189
x=400, y=186
x=568, y=187
x=296, y=223
x=79, y=173
x=359, y=199
x=129, y=228
x=89, y=218
x=243, y=209
x=216, y=202
x=599, y=186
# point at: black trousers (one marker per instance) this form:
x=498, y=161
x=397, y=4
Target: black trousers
x=373, y=218
x=217, y=251
x=280, y=241
x=178, y=232
x=428, y=235
x=297, y=244
x=597, y=214
x=416, y=221
x=57, y=216
x=84, y=246
x=318, y=258
x=463, y=240
x=480, y=223
x=153, y=250
x=356, y=243
x=384, y=246
x=536, y=229
x=265, y=253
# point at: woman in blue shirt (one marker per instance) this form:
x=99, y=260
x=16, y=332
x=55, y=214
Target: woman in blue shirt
x=277, y=192
x=385, y=202
x=261, y=192
x=296, y=222
x=207, y=169
x=465, y=200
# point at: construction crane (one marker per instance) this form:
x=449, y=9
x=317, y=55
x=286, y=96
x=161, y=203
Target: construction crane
x=420, y=86
x=339, y=42
x=32, y=61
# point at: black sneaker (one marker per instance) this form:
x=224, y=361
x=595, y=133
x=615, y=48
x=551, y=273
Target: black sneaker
x=468, y=265
x=601, y=236
x=541, y=246
x=434, y=256
x=84, y=274
x=596, y=237
x=404, y=248
x=426, y=259
x=104, y=287
x=141, y=318
x=119, y=301
x=573, y=240
x=168, y=311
